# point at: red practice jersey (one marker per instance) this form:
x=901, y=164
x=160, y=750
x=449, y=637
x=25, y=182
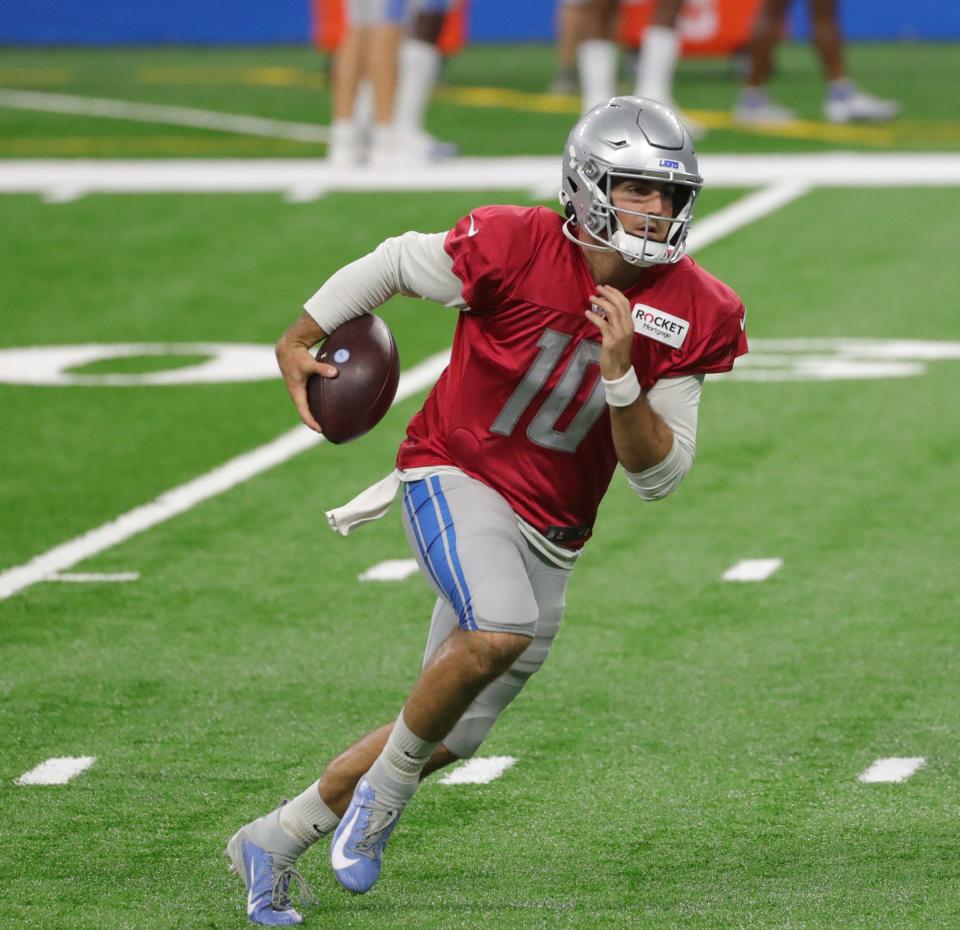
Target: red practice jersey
x=521, y=407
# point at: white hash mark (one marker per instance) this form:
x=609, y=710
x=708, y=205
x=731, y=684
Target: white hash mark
x=752, y=569
x=56, y=771
x=894, y=769
x=478, y=771
x=390, y=570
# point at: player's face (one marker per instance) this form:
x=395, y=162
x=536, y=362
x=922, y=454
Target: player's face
x=639, y=196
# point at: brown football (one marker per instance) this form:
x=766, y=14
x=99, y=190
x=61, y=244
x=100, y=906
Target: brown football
x=365, y=353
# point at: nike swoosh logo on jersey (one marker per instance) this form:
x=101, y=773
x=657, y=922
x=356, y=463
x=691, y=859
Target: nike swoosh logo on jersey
x=337, y=858
x=472, y=231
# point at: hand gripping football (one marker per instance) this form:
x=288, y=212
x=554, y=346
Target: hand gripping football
x=365, y=353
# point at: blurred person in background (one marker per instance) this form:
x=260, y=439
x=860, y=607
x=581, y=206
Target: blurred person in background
x=364, y=80
x=418, y=60
x=597, y=26
x=592, y=27
x=657, y=63
x=390, y=51
x=844, y=103
x=565, y=80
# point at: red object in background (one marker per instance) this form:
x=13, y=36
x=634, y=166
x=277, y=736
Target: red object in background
x=330, y=25
x=707, y=27
x=453, y=36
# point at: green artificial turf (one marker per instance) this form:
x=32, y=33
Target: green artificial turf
x=689, y=755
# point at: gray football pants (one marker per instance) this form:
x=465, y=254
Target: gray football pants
x=468, y=546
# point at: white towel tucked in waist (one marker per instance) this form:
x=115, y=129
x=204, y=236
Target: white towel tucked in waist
x=367, y=506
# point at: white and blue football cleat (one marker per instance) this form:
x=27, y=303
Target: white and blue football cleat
x=263, y=856
x=357, y=848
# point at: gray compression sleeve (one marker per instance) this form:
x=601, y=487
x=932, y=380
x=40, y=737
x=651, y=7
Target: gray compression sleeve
x=414, y=264
x=677, y=402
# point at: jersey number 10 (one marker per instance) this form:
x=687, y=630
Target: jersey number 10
x=541, y=429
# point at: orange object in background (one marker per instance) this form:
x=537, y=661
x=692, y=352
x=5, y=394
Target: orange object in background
x=707, y=27
x=453, y=36
x=330, y=25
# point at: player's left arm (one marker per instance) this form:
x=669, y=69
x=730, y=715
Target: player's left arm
x=654, y=434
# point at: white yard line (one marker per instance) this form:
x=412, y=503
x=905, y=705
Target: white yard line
x=894, y=769
x=478, y=771
x=162, y=113
x=752, y=569
x=390, y=570
x=94, y=577
x=743, y=212
x=301, y=179
x=56, y=771
x=188, y=495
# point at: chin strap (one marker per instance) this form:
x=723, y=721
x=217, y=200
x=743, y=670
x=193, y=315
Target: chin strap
x=584, y=245
x=606, y=247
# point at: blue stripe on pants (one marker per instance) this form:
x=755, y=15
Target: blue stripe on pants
x=437, y=541
x=452, y=544
x=418, y=534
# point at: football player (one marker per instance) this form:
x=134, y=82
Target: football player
x=582, y=343
x=363, y=84
x=419, y=62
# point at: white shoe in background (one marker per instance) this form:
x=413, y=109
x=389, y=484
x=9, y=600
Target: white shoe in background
x=755, y=108
x=345, y=149
x=847, y=104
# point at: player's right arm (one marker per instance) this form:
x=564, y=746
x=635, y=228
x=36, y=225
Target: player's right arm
x=297, y=364
x=414, y=264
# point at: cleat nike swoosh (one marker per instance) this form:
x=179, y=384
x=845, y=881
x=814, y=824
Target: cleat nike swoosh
x=337, y=858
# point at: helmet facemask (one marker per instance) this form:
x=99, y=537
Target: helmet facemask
x=603, y=224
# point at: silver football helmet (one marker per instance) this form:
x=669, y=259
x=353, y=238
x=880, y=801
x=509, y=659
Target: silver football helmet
x=629, y=137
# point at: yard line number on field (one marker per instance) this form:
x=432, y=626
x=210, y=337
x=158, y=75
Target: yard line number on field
x=243, y=467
